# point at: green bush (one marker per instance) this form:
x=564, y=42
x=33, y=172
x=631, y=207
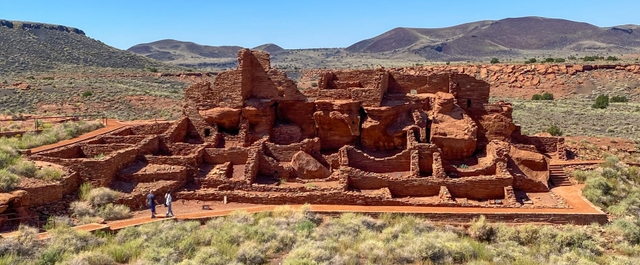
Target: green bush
x=532, y=60
x=618, y=99
x=114, y=212
x=87, y=94
x=101, y=196
x=602, y=102
x=49, y=173
x=24, y=168
x=81, y=209
x=92, y=258
x=612, y=58
x=559, y=60
x=8, y=155
x=554, y=130
x=480, y=230
x=83, y=191
x=545, y=96
x=495, y=60
x=549, y=60
x=8, y=180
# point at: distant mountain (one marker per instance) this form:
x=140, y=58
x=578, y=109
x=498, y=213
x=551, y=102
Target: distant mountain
x=269, y=47
x=31, y=46
x=512, y=38
x=508, y=36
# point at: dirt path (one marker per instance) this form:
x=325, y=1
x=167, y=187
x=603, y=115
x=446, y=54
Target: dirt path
x=112, y=125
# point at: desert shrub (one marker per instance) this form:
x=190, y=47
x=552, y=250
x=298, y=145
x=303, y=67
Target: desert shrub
x=24, y=168
x=87, y=94
x=546, y=96
x=250, y=253
x=549, y=60
x=554, y=130
x=559, y=60
x=494, y=60
x=571, y=57
x=627, y=230
x=612, y=58
x=532, y=60
x=602, y=102
x=314, y=84
x=81, y=209
x=49, y=173
x=25, y=243
x=618, y=99
x=8, y=155
x=114, y=212
x=8, y=180
x=51, y=256
x=83, y=191
x=92, y=258
x=124, y=253
x=207, y=255
x=57, y=221
x=72, y=240
x=581, y=175
x=598, y=191
x=481, y=230
x=101, y=196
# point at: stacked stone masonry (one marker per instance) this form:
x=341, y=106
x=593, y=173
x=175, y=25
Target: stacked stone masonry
x=372, y=137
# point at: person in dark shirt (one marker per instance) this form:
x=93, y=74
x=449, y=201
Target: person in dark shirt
x=151, y=202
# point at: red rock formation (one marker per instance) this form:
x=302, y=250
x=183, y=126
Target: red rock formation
x=307, y=167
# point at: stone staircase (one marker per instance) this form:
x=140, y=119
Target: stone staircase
x=557, y=176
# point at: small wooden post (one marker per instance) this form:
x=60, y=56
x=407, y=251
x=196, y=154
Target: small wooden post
x=224, y=200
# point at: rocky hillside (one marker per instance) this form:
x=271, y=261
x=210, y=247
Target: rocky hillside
x=28, y=47
x=190, y=54
x=509, y=36
x=509, y=39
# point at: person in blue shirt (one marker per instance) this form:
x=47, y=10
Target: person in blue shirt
x=151, y=202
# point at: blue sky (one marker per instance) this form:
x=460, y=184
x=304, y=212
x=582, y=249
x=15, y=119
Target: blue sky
x=291, y=24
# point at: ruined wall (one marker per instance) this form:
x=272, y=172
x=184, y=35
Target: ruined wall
x=93, y=150
x=398, y=163
x=478, y=187
x=299, y=113
x=470, y=92
x=152, y=128
x=235, y=155
x=284, y=153
x=178, y=130
x=401, y=83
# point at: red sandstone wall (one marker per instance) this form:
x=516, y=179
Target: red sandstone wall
x=403, y=83
x=235, y=155
x=397, y=163
x=71, y=151
x=284, y=153
x=92, y=150
x=152, y=128
x=178, y=130
x=467, y=87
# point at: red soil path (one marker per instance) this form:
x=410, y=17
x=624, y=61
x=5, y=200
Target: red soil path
x=112, y=125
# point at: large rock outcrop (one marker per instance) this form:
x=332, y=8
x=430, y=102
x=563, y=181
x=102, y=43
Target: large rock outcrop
x=307, y=167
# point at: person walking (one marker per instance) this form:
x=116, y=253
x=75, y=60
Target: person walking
x=151, y=202
x=167, y=202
